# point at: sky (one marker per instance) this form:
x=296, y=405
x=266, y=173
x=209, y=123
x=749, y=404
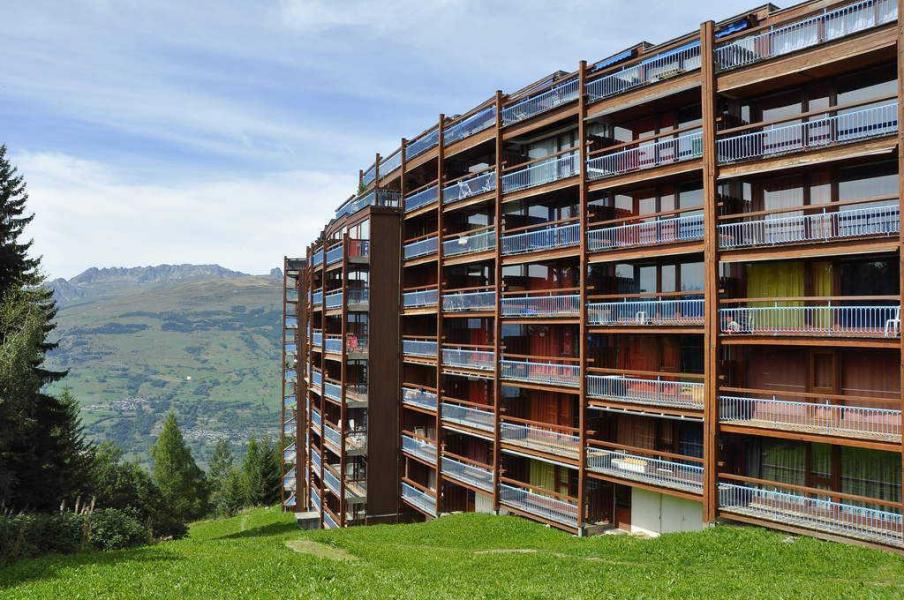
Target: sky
x=228, y=131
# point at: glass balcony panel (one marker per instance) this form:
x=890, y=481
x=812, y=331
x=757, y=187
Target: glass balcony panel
x=424, y=247
x=482, y=119
x=422, y=500
x=424, y=143
x=422, y=198
x=419, y=448
x=419, y=348
x=333, y=300
x=420, y=298
x=419, y=397
x=659, y=67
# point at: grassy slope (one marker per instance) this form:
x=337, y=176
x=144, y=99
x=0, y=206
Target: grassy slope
x=222, y=334
x=458, y=557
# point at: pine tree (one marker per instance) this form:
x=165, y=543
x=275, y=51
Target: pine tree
x=181, y=482
x=261, y=472
x=220, y=461
x=16, y=267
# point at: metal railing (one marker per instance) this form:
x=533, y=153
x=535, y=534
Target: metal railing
x=647, y=155
x=687, y=477
x=541, y=372
x=358, y=295
x=334, y=254
x=291, y=322
x=534, y=305
x=535, y=437
x=332, y=482
x=315, y=460
x=420, y=298
x=474, y=418
x=329, y=522
x=826, y=26
x=315, y=500
x=470, y=243
x=562, y=236
x=817, y=227
x=523, y=109
x=469, y=301
x=422, y=500
x=482, y=119
x=827, y=320
x=332, y=436
x=419, y=348
x=547, y=507
x=289, y=480
x=424, y=143
x=852, y=126
x=317, y=298
x=317, y=257
x=332, y=390
x=421, y=398
x=315, y=418
x=871, y=524
x=812, y=417
x=688, y=311
x=289, y=428
x=333, y=300
x=419, y=448
x=378, y=197
x=637, y=390
x=333, y=344
x=466, y=188
x=317, y=338
x=390, y=163
x=541, y=172
x=420, y=248
x=421, y=198
x=482, y=360
x=316, y=377
x=671, y=230
x=289, y=454
x=290, y=402
x=479, y=477
x=659, y=67
x=369, y=175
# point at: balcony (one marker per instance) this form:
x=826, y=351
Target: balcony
x=547, y=505
x=657, y=232
x=541, y=372
x=356, y=395
x=776, y=229
x=470, y=243
x=420, y=448
x=291, y=322
x=541, y=171
x=317, y=338
x=390, y=163
x=757, y=141
x=424, y=143
x=380, y=197
x=290, y=502
x=469, y=416
x=798, y=509
x=333, y=390
x=290, y=402
x=316, y=377
x=334, y=254
x=812, y=414
x=460, y=302
x=541, y=305
x=646, y=391
x=469, y=125
x=469, y=186
x=418, y=498
x=358, y=298
x=424, y=348
x=333, y=344
x=819, y=317
x=289, y=454
x=468, y=358
x=331, y=481
x=548, y=439
x=541, y=237
x=821, y=28
x=317, y=298
x=333, y=300
x=419, y=248
x=526, y=108
x=681, y=475
x=421, y=198
x=420, y=298
x=358, y=250
x=290, y=375
x=419, y=397
x=647, y=313
x=356, y=442
x=332, y=436
x=656, y=151
x=317, y=257
x=659, y=67
x=468, y=472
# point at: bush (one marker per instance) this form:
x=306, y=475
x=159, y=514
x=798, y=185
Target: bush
x=111, y=528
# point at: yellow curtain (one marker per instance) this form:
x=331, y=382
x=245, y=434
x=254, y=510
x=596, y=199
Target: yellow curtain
x=776, y=280
x=542, y=475
x=823, y=284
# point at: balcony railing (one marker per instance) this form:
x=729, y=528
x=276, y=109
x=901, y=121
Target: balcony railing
x=548, y=373
x=290, y=402
x=422, y=144
x=315, y=460
x=870, y=524
x=422, y=500
x=291, y=375
x=291, y=322
x=535, y=305
x=289, y=454
x=825, y=320
x=289, y=480
x=358, y=248
x=470, y=243
x=884, y=220
x=419, y=448
x=422, y=198
x=549, y=440
x=419, y=397
x=369, y=175
x=467, y=188
x=419, y=248
x=333, y=344
x=358, y=296
x=472, y=474
x=420, y=298
x=664, y=150
x=644, y=313
x=333, y=300
x=485, y=420
x=329, y=522
x=638, y=390
x=317, y=298
x=659, y=67
x=548, y=238
x=560, y=94
x=315, y=500
x=469, y=301
x=332, y=390
x=687, y=477
x=290, y=502
x=826, y=26
x=356, y=441
x=546, y=507
x=317, y=338
x=541, y=172
x=391, y=163
x=315, y=419
x=334, y=254
x=316, y=377
x=812, y=417
x=332, y=435
x=332, y=482
x=289, y=428
x=482, y=119
x=673, y=230
x=317, y=257
x=379, y=197
x=465, y=358
x=860, y=124
x=419, y=348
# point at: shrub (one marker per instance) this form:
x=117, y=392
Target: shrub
x=111, y=528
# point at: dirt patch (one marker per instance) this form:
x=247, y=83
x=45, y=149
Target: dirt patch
x=320, y=550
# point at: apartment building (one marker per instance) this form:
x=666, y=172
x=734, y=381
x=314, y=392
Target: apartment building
x=657, y=291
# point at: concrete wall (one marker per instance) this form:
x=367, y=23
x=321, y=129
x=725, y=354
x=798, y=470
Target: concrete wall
x=653, y=513
x=483, y=503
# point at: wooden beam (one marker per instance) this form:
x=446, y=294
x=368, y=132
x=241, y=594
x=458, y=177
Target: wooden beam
x=582, y=283
x=440, y=175
x=900, y=56
x=497, y=324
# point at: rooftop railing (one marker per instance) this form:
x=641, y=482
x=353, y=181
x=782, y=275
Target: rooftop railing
x=470, y=473
x=333, y=344
x=469, y=301
x=333, y=300
x=419, y=397
x=541, y=172
x=469, y=187
x=420, y=298
x=659, y=67
x=470, y=243
x=642, y=390
x=424, y=247
x=536, y=305
x=825, y=26
x=847, y=222
x=547, y=373
x=644, y=313
x=369, y=175
x=419, y=448
x=425, y=348
x=390, y=163
x=467, y=416
x=669, y=230
x=548, y=238
x=666, y=149
x=684, y=476
x=561, y=511
x=482, y=119
x=825, y=319
x=548, y=440
x=422, y=500
x=422, y=198
x=378, y=197
x=426, y=142
x=561, y=93
x=467, y=358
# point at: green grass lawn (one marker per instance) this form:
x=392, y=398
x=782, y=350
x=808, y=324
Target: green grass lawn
x=261, y=554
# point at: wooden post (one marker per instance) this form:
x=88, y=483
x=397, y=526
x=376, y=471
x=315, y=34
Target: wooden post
x=440, y=157
x=343, y=374
x=582, y=282
x=900, y=57
x=282, y=401
x=497, y=324
x=404, y=162
x=377, y=170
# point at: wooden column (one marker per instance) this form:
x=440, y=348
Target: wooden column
x=404, y=161
x=301, y=386
x=322, y=407
x=282, y=401
x=711, y=279
x=497, y=323
x=343, y=409
x=900, y=59
x=440, y=167
x=377, y=170
x=582, y=282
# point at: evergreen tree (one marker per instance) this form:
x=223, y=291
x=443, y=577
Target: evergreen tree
x=16, y=267
x=261, y=472
x=181, y=482
x=220, y=462
x=231, y=495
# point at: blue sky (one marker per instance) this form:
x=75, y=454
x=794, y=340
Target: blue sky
x=228, y=131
